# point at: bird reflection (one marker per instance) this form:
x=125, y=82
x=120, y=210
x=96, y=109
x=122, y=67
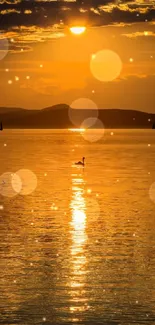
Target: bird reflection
x=78, y=245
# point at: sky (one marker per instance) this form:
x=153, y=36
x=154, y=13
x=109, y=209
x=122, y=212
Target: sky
x=43, y=64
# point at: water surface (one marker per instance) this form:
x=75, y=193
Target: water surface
x=81, y=248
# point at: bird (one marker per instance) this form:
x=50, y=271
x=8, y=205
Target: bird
x=81, y=163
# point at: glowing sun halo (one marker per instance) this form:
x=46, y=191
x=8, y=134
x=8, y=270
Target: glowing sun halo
x=77, y=30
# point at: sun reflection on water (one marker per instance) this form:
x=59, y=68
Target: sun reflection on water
x=77, y=249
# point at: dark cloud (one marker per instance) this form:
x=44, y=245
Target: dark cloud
x=92, y=12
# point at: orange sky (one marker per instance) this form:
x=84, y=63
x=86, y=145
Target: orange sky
x=54, y=66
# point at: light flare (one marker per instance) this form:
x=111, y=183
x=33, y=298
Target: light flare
x=77, y=30
x=77, y=130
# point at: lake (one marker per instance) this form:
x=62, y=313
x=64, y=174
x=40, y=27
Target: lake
x=80, y=248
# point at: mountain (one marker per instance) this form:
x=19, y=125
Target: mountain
x=57, y=117
x=10, y=109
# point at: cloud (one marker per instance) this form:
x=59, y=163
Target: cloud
x=42, y=20
x=134, y=75
x=54, y=85
x=20, y=38
x=95, y=12
x=57, y=77
x=140, y=34
x=138, y=69
x=9, y=2
x=9, y=11
x=125, y=7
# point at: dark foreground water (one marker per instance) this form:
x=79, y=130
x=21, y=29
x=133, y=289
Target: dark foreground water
x=80, y=249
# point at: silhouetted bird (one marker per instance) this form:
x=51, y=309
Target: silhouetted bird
x=81, y=163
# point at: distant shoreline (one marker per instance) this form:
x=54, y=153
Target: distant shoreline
x=67, y=129
x=57, y=117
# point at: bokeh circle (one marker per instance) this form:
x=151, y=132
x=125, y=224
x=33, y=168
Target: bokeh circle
x=105, y=65
x=4, y=47
x=29, y=181
x=152, y=192
x=10, y=184
x=81, y=109
x=94, y=129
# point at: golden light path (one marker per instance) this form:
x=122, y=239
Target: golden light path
x=77, y=130
x=79, y=239
x=77, y=30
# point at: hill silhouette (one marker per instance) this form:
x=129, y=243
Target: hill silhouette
x=57, y=117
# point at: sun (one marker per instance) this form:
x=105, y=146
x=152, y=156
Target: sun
x=77, y=30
